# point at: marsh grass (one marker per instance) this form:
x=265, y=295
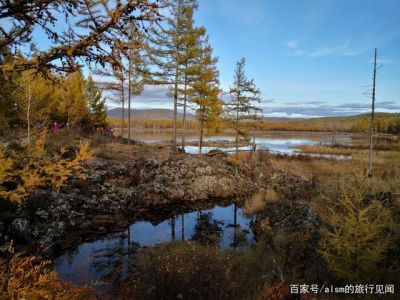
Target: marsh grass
x=259, y=201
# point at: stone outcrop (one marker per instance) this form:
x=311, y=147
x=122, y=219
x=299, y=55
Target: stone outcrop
x=191, y=179
x=111, y=192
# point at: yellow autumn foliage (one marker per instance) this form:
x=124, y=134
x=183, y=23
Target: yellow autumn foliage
x=29, y=277
x=34, y=169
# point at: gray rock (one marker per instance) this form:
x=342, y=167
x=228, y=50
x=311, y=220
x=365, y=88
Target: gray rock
x=2, y=228
x=42, y=214
x=19, y=230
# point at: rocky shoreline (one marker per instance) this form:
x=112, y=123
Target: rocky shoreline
x=112, y=194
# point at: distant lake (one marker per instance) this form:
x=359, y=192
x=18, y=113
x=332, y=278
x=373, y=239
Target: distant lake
x=274, y=142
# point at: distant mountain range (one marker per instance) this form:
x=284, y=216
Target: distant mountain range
x=143, y=114
x=166, y=114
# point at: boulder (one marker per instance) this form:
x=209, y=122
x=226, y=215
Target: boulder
x=19, y=230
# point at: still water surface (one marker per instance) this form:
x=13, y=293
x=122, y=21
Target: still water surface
x=93, y=261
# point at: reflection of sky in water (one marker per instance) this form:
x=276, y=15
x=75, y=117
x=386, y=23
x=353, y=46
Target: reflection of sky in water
x=79, y=265
x=276, y=142
x=284, y=146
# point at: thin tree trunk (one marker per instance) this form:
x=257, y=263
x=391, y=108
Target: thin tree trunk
x=175, y=107
x=371, y=130
x=183, y=226
x=123, y=110
x=173, y=228
x=234, y=244
x=201, y=131
x=28, y=112
x=129, y=102
x=237, y=136
x=184, y=115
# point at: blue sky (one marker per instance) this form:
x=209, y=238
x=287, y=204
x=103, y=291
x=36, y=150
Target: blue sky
x=309, y=57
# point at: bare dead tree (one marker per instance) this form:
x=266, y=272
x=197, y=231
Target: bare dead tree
x=372, y=123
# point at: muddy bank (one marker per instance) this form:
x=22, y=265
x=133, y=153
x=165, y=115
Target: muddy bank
x=113, y=193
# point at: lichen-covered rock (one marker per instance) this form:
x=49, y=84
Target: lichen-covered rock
x=190, y=178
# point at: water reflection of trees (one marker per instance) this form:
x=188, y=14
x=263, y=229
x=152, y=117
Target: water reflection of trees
x=113, y=262
x=207, y=231
x=239, y=235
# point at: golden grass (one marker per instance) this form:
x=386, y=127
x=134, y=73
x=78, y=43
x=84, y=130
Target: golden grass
x=321, y=149
x=259, y=201
x=329, y=174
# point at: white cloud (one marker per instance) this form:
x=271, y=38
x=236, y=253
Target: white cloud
x=288, y=115
x=292, y=44
x=343, y=49
x=385, y=61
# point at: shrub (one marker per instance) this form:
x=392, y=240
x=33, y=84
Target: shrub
x=182, y=271
x=357, y=233
x=30, y=277
x=32, y=169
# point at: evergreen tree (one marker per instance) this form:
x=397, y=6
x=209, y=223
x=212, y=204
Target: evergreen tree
x=243, y=104
x=166, y=45
x=205, y=92
x=96, y=103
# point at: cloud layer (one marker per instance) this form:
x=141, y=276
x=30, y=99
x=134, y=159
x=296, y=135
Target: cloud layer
x=157, y=97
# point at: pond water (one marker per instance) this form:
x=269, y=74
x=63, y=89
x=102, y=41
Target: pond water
x=94, y=261
x=275, y=142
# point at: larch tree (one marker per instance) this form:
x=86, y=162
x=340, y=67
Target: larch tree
x=166, y=45
x=113, y=81
x=33, y=98
x=91, y=31
x=244, y=102
x=137, y=71
x=73, y=105
x=206, y=91
x=96, y=103
x=188, y=59
x=8, y=84
x=357, y=233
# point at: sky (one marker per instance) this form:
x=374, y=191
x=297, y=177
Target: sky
x=310, y=58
